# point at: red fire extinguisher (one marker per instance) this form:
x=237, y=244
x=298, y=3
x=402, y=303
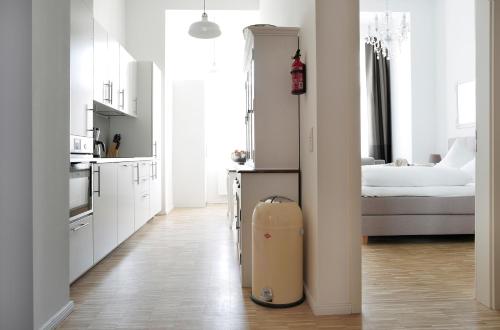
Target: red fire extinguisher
x=298, y=75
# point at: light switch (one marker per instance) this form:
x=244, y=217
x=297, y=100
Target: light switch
x=311, y=139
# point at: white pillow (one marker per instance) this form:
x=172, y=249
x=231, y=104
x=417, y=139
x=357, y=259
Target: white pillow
x=470, y=169
x=458, y=155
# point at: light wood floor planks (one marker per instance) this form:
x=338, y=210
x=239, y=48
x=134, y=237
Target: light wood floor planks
x=180, y=272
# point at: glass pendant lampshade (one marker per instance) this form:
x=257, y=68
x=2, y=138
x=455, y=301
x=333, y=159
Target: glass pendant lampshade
x=204, y=29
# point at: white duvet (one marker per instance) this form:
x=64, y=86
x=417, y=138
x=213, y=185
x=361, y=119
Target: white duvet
x=412, y=176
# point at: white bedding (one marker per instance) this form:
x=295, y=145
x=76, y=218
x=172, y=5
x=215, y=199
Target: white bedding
x=429, y=191
x=413, y=176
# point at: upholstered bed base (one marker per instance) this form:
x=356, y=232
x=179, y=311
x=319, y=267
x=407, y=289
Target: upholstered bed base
x=391, y=216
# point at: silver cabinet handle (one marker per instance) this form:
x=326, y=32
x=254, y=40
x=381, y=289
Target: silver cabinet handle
x=81, y=226
x=155, y=153
x=98, y=191
x=137, y=167
x=125, y=165
x=108, y=91
x=111, y=92
x=122, y=99
x=152, y=171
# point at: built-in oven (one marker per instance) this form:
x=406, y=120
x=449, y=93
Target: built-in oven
x=80, y=178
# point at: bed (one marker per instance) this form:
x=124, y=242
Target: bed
x=421, y=200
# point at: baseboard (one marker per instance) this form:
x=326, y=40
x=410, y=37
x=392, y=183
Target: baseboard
x=327, y=309
x=60, y=316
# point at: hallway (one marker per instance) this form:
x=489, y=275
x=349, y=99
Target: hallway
x=181, y=272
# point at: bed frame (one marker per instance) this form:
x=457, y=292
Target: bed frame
x=393, y=216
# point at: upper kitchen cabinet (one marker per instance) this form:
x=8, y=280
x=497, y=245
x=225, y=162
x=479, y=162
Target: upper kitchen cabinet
x=114, y=75
x=81, y=69
x=127, y=101
x=141, y=137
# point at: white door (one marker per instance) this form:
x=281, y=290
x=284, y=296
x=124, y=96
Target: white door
x=105, y=217
x=125, y=201
x=81, y=70
x=155, y=190
x=114, y=71
x=128, y=75
x=102, y=87
x=142, y=193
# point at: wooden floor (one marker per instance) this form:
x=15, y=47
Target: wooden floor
x=180, y=272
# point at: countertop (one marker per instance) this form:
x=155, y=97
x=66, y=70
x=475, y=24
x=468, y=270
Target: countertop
x=250, y=169
x=120, y=160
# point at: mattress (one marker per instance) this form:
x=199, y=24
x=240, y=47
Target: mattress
x=430, y=191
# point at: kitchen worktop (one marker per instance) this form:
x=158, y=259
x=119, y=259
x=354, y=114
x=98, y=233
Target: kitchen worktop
x=120, y=160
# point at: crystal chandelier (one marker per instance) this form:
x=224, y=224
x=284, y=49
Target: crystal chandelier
x=385, y=35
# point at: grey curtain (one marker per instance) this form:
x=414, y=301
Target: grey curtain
x=379, y=104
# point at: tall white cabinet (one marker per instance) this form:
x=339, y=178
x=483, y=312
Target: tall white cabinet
x=272, y=112
x=81, y=69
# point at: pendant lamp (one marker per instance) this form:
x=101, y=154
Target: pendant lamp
x=204, y=29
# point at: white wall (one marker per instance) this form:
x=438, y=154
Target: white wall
x=111, y=15
x=189, y=144
x=16, y=224
x=51, y=40
x=423, y=69
x=330, y=184
x=455, y=53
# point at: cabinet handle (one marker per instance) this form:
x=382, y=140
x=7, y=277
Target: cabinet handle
x=111, y=92
x=98, y=191
x=108, y=88
x=137, y=180
x=145, y=195
x=81, y=226
x=122, y=99
x=155, y=153
x=152, y=171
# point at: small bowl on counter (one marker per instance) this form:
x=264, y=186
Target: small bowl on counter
x=239, y=156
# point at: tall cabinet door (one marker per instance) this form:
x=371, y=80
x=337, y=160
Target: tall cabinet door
x=81, y=69
x=114, y=71
x=125, y=200
x=102, y=87
x=105, y=217
x=155, y=190
x=128, y=75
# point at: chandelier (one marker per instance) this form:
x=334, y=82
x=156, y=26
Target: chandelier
x=386, y=35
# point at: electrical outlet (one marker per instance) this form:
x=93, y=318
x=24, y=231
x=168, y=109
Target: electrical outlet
x=311, y=139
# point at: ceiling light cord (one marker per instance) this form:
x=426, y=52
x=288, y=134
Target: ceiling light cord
x=204, y=9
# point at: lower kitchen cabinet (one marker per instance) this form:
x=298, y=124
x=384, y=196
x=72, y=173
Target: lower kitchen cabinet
x=125, y=201
x=142, y=197
x=81, y=249
x=105, y=210
x=155, y=190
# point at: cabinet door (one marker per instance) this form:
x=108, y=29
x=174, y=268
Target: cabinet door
x=125, y=201
x=81, y=255
x=128, y=75
x=141, y=202
x=156, y=112
x=81, y=69
x=101, y=78
x=114, y=71
x=105, y=218
x=155, y=190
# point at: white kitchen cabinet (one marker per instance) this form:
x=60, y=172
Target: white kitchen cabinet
x=81, y=69
x=272, y=112
x=81, y=250
x=106, y=69
x=105, y=209
x=125, y=201
x=102, y=80
x=127, y=101
x=154, y=190
x=142, y=194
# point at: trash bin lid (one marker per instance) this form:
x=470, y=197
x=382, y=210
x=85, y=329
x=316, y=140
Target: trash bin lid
x=277, y=199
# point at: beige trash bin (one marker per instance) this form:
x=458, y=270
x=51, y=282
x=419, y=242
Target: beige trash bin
x=277, y=253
